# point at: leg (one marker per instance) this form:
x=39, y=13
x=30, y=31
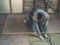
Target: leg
x=45, y=27
x=36, y=27
x=40, y=27
x=39, y=31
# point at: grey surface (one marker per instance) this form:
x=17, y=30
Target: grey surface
x=3, y=18
x=14, y=23
x=55, y=40
x=2, y=21
x=54, y=23
x=1, y=28
x=14, y=40
x=28, y=40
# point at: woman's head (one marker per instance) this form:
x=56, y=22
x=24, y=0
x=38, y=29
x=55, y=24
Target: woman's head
x=39, y=16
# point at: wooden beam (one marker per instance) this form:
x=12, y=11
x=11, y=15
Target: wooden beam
x=10, y=6
x=28, y=33
x=20, y=33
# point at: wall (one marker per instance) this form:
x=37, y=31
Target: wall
x=17, y=6
x=53, y=4
x=4, y=6
x=28, y=5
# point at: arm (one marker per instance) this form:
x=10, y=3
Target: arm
x=35, y=19
x=42, y=20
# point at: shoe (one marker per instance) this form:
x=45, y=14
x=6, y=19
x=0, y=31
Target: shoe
x=46, y=36
x=42, y=38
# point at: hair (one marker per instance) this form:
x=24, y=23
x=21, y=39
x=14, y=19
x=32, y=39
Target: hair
x=39, y=16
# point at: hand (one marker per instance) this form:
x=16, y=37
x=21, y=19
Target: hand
x=42, y=21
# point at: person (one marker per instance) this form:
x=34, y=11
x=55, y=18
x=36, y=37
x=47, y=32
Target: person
x=38, y=22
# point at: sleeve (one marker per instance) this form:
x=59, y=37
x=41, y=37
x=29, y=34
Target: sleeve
x=46, y=15
x=34, y=17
